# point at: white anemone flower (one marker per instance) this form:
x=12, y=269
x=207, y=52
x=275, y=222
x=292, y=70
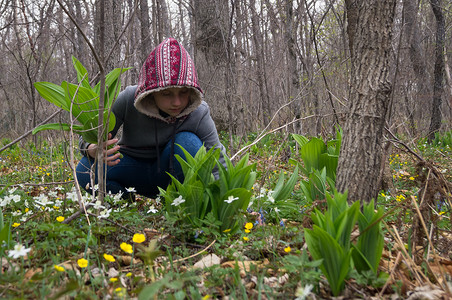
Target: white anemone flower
x=152, y=209
x=104, y=214
x=231, y=199
x=18, y=251
x=178, y=201
x=303, y=292
x=98, y=205
x=43, y=200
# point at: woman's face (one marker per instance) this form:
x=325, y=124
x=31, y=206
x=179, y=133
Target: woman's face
x=172, y=100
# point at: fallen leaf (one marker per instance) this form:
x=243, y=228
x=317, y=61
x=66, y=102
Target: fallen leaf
x=207, y=261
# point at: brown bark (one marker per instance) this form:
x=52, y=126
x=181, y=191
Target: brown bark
x=435, y=120
x=360, y=159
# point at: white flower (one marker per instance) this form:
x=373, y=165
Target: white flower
x=15, y=198
x=12, y=190
x=53, y=194
x=152, y=209
x=5, y=201
x=58, y=203
x=131, y=190
x=277, y=210
x=158, y=200
x=43, y=200
x=270, y=196
x=104, y=214
x=19, y=251
x=178, y=201
x=98, y=205
x=117, y=197
x=303, y=292
x=231, y=199
x=16, y=213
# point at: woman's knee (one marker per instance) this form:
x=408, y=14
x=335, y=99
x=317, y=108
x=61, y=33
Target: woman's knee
x=83, y=171
x=189, y=141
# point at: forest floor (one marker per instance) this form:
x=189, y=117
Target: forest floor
x=52, y=250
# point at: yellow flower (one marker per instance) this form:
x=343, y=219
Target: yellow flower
x=113, y=279
x=206, y=297
x=82, y=263
x=227, y=230
x=138, y=238
x=247, y=230
x=245, y=238
x=126, y=248
x=411, y=178
x=442, y=213
x=16, y=225
x=120, y=292
x=60, y=219
x=249, y=225
x=59, y=268
x=109, y=257
x=129, y=274
x=287, y=249
x=27, y=209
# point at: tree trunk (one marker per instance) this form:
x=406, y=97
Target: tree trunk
x=293, y=78
x=259, y=54
x=145, y=47
x=417, y=58
x=435, y=121
x=370, y=33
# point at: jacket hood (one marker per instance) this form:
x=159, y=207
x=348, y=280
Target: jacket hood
x=168, y=65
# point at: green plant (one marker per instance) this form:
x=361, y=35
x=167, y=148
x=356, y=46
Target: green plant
x=82, y=101
x=316, y=154
x=443, y=139
x=369, y=247
x=200, y=194
x=320, y=161
x=330, y=239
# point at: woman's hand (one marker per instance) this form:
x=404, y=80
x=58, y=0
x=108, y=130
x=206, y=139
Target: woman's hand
x=111, y=155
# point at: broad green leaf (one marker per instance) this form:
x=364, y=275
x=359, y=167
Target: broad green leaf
x=52, y=93
x=310, y=153
x=300, y=139
x=283, y=189
x=82, y=74
x=336, y=262
x=52, y=126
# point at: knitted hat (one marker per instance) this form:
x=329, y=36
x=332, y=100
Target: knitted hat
x=168, y=65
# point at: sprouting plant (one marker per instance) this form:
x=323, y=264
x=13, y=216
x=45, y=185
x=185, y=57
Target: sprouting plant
x=319, y=166
x=200, y=194
x=330, y=239
x=82, y=101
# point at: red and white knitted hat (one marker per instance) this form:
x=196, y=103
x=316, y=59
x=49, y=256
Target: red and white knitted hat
x=168, y=65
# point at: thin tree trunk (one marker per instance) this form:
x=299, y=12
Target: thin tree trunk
x=435, y=121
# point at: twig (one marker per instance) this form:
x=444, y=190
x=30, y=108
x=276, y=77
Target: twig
x=196, y=254
x=113, y=222
x=263, y=134
x=39, y=184
x=30, y=131
x=414, y=268
x=435, y=257
x=391, y=275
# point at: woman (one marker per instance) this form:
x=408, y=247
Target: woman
x=164, y=110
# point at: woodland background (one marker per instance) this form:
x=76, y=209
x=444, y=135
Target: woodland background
x=255, y=59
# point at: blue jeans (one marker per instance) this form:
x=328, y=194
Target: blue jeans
x=142, y=174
